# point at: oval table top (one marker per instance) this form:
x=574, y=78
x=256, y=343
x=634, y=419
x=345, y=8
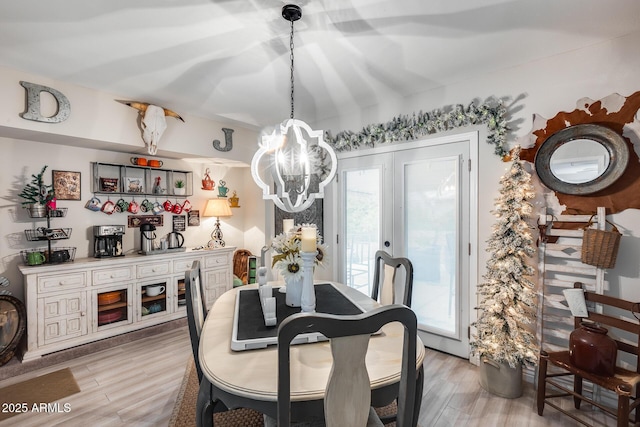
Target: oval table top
x=253, y=374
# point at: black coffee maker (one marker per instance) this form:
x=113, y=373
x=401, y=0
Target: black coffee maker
x=107, y=241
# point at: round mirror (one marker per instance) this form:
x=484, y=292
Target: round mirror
x=582, y=159
x=13, y=321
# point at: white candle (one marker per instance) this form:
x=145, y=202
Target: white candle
x=308, y=239
x=543, y=219
x=287, y=225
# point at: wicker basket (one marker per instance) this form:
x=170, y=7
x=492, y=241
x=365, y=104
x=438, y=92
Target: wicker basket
x=600, y=247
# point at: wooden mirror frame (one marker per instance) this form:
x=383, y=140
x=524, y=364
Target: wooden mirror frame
x=609, y=139
x=7, y=353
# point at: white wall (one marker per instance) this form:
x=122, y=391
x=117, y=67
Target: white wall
x=22, y=158
x=543, y=87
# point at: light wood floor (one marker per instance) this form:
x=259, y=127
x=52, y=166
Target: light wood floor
x=135, y=384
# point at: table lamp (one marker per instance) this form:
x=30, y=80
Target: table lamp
x=218, y=208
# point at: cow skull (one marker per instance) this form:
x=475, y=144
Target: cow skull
x=153, y=123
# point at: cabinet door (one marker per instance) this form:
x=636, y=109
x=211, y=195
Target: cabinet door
x=113, y=306
x=154, y=298
x=62, y=317
x=217, y=282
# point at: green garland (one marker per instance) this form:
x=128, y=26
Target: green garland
x=405, y=128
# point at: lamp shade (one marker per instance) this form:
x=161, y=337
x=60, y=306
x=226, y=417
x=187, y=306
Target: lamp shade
x=218, y=208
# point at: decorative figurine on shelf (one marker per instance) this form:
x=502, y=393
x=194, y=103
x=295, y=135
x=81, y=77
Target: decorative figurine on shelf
x=222, y=190
x=157, y=189
x=234, y=200
x=207, y=182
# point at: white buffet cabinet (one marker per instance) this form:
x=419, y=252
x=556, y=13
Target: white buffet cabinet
x=90, y=299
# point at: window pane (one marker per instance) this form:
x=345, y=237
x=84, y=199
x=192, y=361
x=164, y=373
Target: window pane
x=431, y=214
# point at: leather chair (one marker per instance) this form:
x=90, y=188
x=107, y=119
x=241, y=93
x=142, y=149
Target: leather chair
x=384, y=278
x=348, y=394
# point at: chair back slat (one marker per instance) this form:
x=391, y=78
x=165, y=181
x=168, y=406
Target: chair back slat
x=384, y=279
x=348, y=394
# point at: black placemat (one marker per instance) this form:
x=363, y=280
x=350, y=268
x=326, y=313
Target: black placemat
x=251, y=320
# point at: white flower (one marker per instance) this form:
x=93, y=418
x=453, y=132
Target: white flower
x=291, y=266
x=322, y=257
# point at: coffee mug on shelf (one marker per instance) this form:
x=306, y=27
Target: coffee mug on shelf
x=177, y=209
x=139, y=161
x=133, y=207
x=121, y=205
x=186, y=206
x=59, y=256
x=35, y=258
x=108, y=207
x=168, y=206
x=94, y=204
x=153, y=291
x=157, y=208
x=155, y=163
x=146, y=206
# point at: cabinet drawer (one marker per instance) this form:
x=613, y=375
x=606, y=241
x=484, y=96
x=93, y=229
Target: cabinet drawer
x=153, y=269
x=215, y=261
x=61, y=282
x=182, y=265
x=111, y=275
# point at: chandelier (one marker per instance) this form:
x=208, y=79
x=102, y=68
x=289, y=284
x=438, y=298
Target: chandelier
x=293, y=163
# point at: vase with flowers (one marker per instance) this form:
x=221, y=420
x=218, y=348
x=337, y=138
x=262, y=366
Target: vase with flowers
x=288, y=261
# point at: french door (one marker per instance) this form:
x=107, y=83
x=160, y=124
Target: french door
x=415, y=202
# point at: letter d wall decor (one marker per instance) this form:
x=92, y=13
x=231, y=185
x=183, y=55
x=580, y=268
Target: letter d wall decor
x=33, y=104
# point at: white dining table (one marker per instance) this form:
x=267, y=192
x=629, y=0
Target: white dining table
x=249, y=378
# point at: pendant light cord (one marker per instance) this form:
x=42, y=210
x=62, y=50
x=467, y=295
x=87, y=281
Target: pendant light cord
x=291, y=57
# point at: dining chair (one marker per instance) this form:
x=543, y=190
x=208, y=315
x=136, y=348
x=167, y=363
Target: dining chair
x=196, y=314
x=347, y=400
x=241, y=264
x=384, y=279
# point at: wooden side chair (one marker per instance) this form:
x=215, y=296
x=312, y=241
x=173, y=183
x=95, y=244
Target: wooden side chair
x=623, y=383
x=384, y=278
x=241, y=264
x=348, y=395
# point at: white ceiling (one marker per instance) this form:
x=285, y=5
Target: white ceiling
x=229, y=59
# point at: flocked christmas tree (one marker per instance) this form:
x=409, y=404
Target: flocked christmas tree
x=507, y=310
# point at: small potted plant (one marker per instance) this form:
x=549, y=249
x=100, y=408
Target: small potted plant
x=37, y=195
x=180, y=189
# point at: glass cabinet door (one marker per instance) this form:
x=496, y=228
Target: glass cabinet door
x=154, y=298
x=113, y=306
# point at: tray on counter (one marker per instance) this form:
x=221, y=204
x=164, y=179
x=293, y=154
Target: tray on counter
x=162, y=251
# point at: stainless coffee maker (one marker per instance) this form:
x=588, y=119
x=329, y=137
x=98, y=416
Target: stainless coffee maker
x=147, y=238
x=107, y=241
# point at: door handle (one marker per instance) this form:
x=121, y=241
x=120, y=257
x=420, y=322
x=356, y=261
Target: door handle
x=387, y=243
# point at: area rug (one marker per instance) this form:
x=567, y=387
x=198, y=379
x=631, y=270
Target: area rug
x=45, y=389
x=184, y=411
